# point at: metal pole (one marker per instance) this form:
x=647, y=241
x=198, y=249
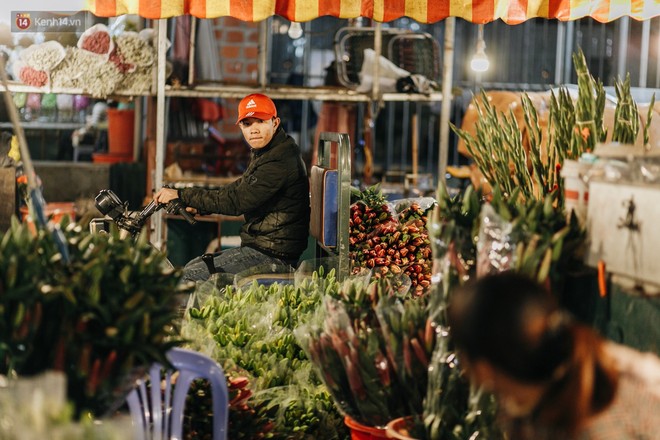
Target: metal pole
x=191, y=50
x=447, y=70
x=263, y=53
x=391, y=110
x=623, y=47
x=568, y=52
x=378, y=49
x=644, y=53
x=156, y=238
x=304, y=137
x=559, y=54
x=657, y=66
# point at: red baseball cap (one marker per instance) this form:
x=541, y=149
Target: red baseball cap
x=256, y=106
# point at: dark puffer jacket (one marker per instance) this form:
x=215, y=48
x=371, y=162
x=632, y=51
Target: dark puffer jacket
x=272, y=194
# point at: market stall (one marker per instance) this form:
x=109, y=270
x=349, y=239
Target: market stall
x=423, y=12
x=369, y=341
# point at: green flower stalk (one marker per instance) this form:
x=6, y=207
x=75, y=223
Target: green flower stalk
x=626, y=114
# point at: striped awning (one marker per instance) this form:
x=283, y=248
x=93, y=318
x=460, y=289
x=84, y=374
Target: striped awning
x=423, y=11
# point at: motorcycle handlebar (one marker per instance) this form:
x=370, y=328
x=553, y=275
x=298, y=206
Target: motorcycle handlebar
x=176, y=206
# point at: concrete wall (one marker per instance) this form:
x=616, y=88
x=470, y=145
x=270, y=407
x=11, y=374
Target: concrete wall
x=69, y=181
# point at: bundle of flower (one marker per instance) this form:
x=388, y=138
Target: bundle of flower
x=453, y=409
x=390, y=239
x=44, y=56
x=97, y=40
x=249, y=331
x=100, y=64
x=507, y=233
x=87, y=71
x=573, y=129
x=533, y=238
x=369, y=210
x=100, y=318
x=371, y=345
x=134, y=56
x=135, y=50
x=37, y=61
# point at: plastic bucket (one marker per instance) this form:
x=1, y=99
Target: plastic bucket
x=111, y=158
x=400, y=428
x=121, y=126
x=576, y=190
x=364, y=432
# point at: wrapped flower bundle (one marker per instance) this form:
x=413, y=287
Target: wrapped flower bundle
x=249, y=331
x=100, y=64
x=391, y=239
x=97, y=40
x=371, y=345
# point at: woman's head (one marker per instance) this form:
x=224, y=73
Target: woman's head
x=519, y=345
x=512, y=323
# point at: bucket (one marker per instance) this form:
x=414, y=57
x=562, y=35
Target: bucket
x=576, y=190
x=121, y=124
x=364, y=432
x=401, y=428
x=111, y=158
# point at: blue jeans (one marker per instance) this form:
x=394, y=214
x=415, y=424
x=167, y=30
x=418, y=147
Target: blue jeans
x=233, y=261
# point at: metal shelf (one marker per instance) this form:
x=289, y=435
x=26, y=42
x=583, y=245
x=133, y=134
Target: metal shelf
x=239, y=92
x=293, y=93
x=36, y=125
x=19, y=87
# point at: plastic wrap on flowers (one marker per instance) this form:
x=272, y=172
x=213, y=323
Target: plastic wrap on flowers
x=452, y=408
x=409, y=337
x=358, y=361
x=251, y=329
x=495, y=247
x=316, y=269
x=97, y=40
x=391, y=238
x=353, y=367
x=452, y=229
x=542, y=240
x=266, y=274
x=448, y=392
x=44, y=57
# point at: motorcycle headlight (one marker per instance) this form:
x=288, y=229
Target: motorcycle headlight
x=109, y=204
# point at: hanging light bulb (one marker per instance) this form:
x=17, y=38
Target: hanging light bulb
x=295, y=30
x=479, y=62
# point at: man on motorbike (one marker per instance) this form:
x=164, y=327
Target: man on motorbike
x=272, y=195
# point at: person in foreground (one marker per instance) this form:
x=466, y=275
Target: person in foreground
x=272, y=195
x=553, y=377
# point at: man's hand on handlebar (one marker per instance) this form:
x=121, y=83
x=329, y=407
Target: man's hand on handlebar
x=165, y=195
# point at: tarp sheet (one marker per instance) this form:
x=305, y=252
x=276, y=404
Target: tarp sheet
x=423, y=11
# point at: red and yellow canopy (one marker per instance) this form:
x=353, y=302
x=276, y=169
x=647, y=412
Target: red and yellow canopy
x=423, y=11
